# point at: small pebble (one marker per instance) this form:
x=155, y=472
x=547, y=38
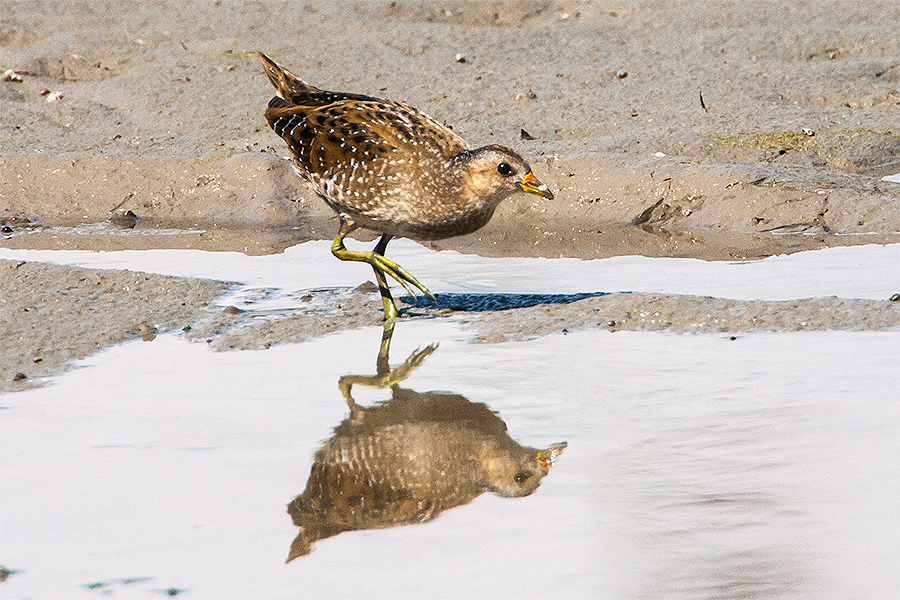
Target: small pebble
x=126, y=220
x=460, y=58
x=20, y=376
x=146, y=330
x=10, y=75
x=54, y=96
x=808, y=131
x=622, y=74
x=525, y=135
x=232, y=310
x=895, y=298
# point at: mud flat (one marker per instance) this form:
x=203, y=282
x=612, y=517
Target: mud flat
x=703, y=129
x=50, y=314
x=709, y=127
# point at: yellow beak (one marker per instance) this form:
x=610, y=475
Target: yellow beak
x=532, y=185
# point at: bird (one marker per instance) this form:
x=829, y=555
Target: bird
x=385, y=166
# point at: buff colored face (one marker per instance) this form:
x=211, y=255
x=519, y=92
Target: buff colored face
x=497, y=172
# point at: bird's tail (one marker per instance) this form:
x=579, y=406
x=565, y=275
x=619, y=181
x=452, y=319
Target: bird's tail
x=287, y=85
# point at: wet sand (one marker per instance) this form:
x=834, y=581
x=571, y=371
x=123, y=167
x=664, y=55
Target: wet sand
x=493, y=318
x=704, y=129
x=50, y=315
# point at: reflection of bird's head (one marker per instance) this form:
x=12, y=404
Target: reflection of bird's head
x=517, y=471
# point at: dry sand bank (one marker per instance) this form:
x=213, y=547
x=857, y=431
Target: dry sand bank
x=161, y=115
x=707, y=129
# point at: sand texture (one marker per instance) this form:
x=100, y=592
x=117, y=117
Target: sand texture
x=716, y=130
x=161, y=115
x=52, y=314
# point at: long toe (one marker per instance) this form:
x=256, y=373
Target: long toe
x=391, y=268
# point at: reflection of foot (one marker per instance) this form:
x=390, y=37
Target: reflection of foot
x=389, y=379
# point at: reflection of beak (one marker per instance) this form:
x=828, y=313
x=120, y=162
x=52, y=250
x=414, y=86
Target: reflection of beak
x=546, y=458
x=532, y=185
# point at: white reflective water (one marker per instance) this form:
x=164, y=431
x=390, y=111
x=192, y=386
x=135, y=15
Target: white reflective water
x=697, y=466
x=870, y=271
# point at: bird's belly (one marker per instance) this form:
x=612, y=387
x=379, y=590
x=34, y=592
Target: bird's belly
x=402, y=206
x=414, y=221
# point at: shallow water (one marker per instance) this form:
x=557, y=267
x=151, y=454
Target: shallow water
x=697, y=466
x=849, y=272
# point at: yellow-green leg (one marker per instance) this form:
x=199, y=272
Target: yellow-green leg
x=387, y=301
x=381, y=265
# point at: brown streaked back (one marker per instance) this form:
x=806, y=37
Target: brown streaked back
x=328, y=132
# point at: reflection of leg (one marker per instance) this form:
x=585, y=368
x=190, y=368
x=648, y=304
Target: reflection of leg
x=381, y=265
x=383, y=365
x=386, y=377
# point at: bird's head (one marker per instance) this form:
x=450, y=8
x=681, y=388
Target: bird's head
x=496, y=172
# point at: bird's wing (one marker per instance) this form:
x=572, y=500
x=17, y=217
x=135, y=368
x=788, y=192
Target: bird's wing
x=331, y=132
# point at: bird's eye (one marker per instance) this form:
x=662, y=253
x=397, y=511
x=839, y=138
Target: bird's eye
x=520, y=477
x=504, y=169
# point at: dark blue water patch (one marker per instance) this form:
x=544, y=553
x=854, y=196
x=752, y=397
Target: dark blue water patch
x=172, y=591
x=494, y=302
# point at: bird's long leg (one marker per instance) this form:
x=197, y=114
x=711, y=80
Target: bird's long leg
x=382, y=266
x=387, y=301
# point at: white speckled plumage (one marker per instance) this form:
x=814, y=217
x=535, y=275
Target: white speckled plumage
x=385, y=166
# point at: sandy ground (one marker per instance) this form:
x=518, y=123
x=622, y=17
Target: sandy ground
x=715, y=130
x=493, y=319
x=51, y=314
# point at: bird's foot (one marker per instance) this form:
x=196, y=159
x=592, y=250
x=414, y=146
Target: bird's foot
x=389, y=267
x=383, y=267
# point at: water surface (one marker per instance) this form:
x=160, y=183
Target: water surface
x=697, y=467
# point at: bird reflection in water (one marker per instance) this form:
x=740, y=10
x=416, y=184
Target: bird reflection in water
x=407, y=459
